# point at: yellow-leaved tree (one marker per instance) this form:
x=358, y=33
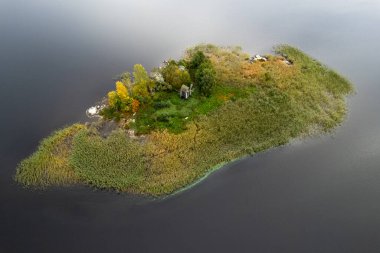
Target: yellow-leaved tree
x=122, y=92
x=120, y=100
x=112, y=99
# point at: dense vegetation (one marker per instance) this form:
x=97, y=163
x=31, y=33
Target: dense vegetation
x=238, y=107
x=49, y=164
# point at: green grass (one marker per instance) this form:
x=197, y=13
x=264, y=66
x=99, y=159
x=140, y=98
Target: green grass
x=253, y=107
x=174, y=115
x=169, y=111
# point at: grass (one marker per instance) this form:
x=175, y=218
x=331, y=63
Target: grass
x=175, y=114
x=116, y=162
x=169, y=111
x=49, y=164
x=255, y=106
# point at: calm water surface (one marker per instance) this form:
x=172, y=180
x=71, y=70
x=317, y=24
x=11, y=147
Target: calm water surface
x=317, y=195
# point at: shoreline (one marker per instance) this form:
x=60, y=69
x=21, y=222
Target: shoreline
x=225, y=165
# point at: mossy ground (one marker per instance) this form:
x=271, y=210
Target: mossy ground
x=255, y=106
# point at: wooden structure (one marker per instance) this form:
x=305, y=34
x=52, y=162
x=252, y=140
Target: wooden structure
x=185, y=91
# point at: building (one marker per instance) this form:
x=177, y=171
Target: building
x=185, y=91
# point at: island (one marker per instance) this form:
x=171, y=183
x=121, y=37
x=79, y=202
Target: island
x=156, y=133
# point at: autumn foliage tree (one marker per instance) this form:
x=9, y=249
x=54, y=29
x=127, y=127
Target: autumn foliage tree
x=119, y=99
x=142, y=84
x=135, y=105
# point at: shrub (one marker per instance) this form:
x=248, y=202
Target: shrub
x=161, y=104
x=135, y=105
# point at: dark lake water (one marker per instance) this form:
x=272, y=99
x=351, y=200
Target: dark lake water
x=317, y=195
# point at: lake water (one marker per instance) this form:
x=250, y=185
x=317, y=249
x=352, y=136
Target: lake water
x=317, y=195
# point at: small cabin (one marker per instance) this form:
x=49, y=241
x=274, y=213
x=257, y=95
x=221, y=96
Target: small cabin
x=185, y=91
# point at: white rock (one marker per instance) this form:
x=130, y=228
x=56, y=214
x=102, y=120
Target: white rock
x=259, y=58
x=92, y=110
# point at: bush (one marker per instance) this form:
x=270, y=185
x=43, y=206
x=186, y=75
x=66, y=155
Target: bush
x=161, y=104
x=162, y=86
x=163, y=117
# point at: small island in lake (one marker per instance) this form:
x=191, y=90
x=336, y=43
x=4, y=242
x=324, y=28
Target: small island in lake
x=157, y=133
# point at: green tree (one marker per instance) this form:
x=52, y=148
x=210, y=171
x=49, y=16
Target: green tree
x=143, y=85
x=175, y=76
x=196, y=60
x=140, y=74
x=140, y=91
x=205, y=79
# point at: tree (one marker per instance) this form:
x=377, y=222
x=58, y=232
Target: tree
x=112, y=99
x=196, y=60
x=126, y=79
x=205, y=79
x=120, y=100
x=122, y=91
x=135, y=105
x=143, y=85
x=139, y=73
x=176, y=76
x=140, y=91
